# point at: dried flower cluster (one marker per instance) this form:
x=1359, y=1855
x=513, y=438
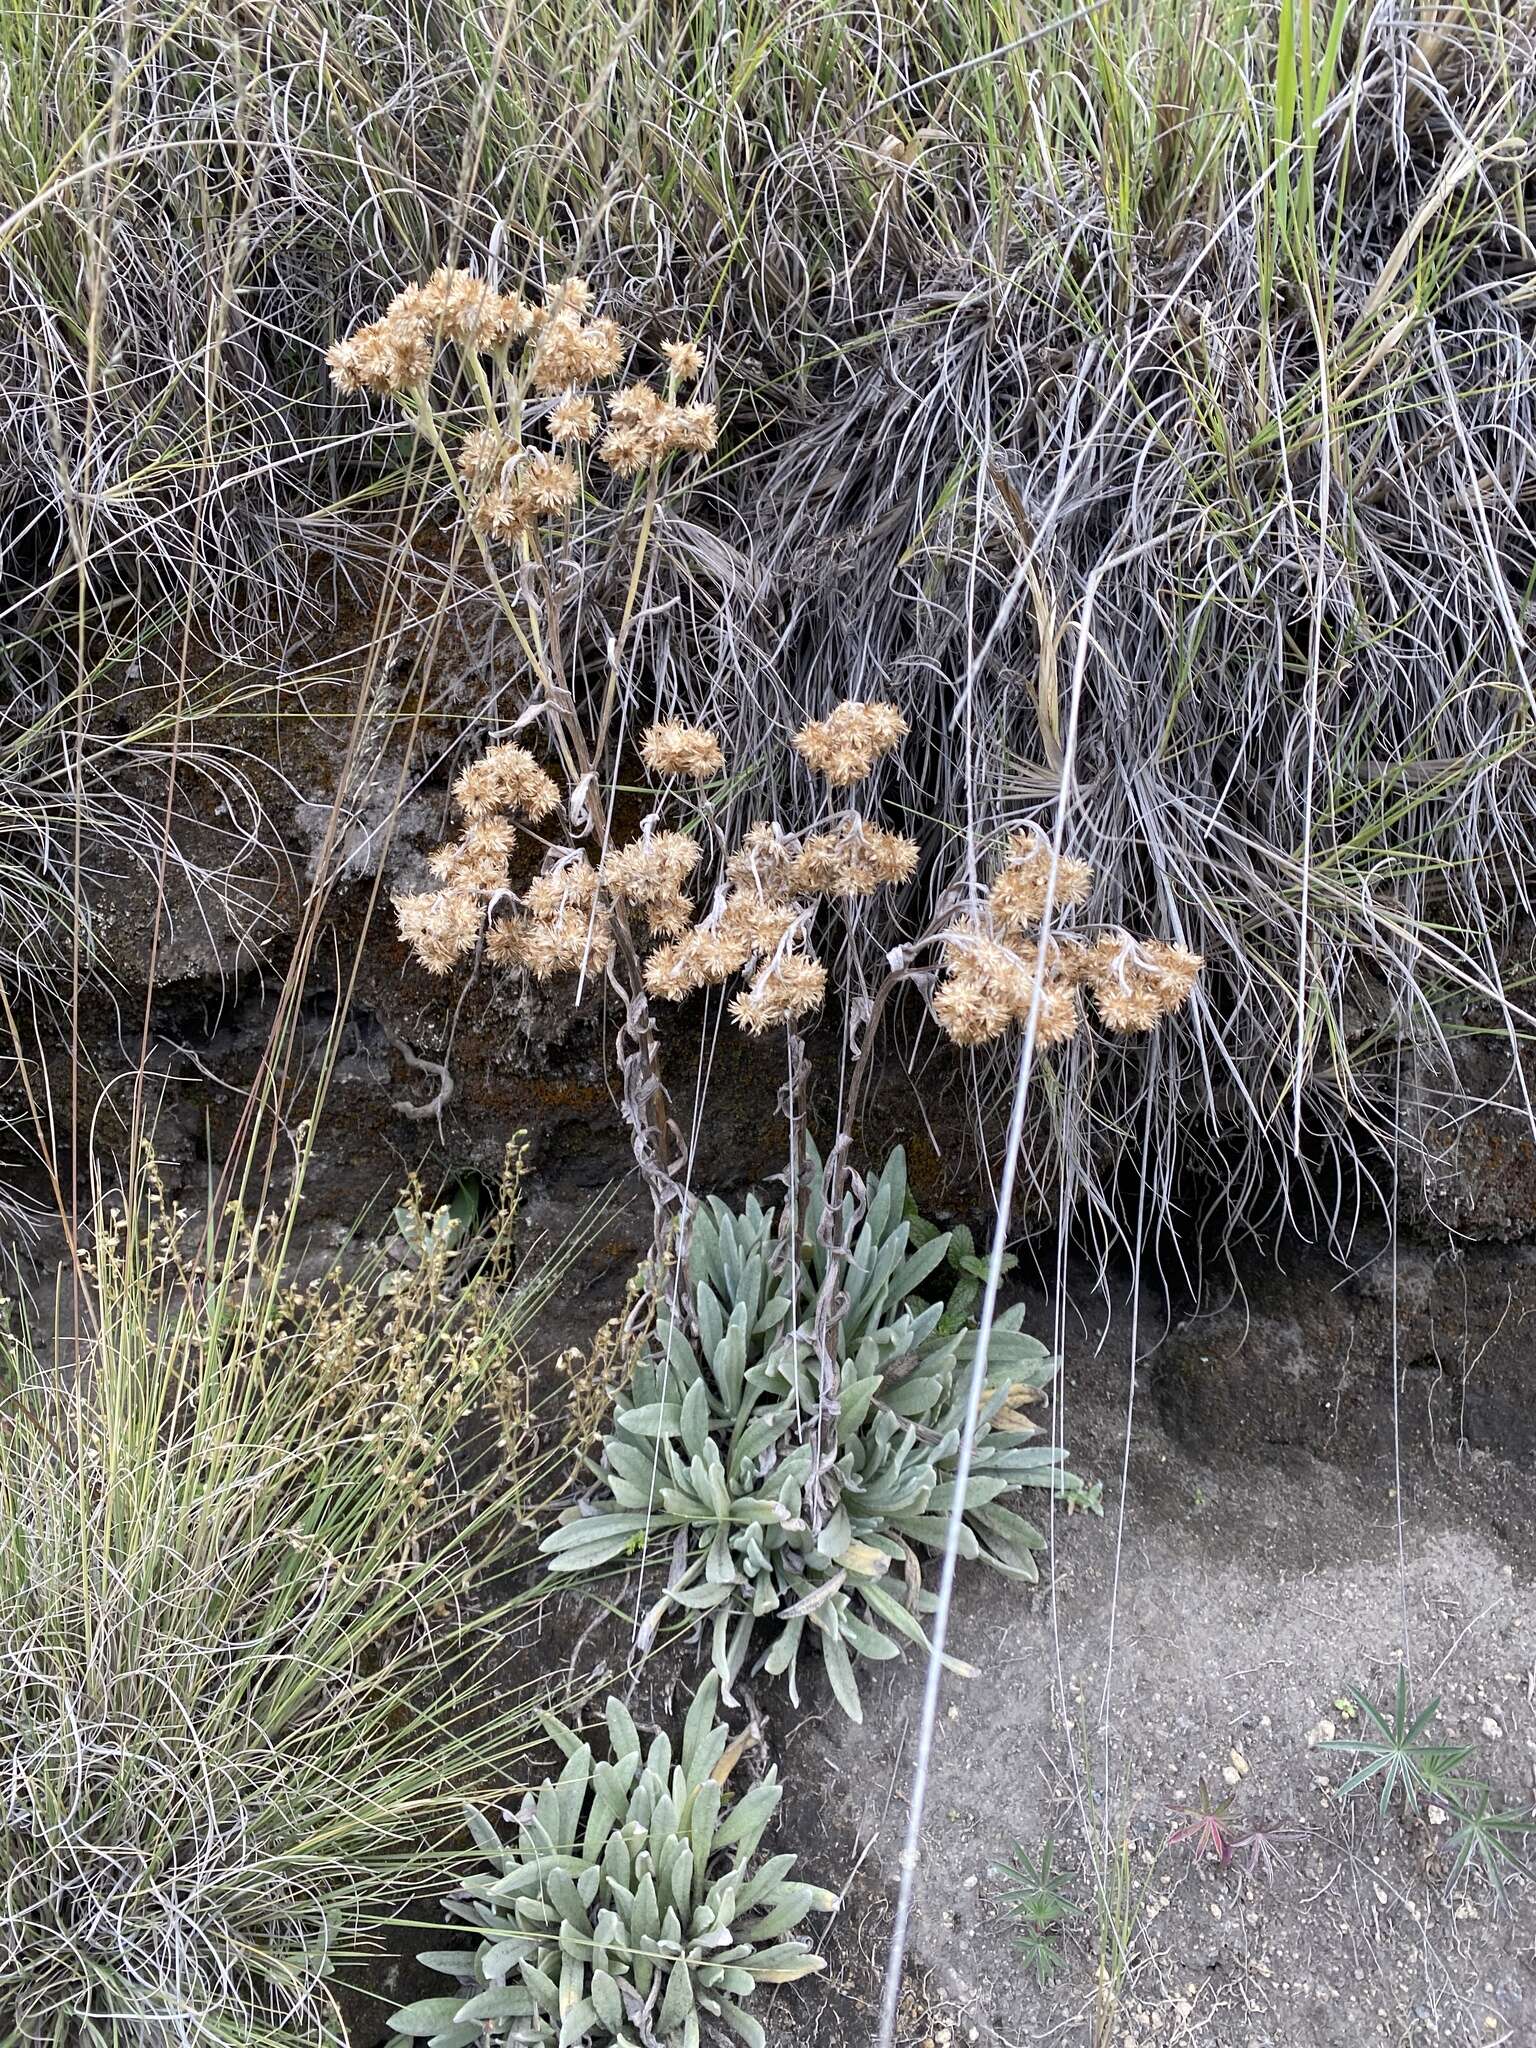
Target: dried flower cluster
x=443, y=925
x=758, y=925
x=513, y=487
x=686, y=751
x=506, y=779
x=440, y=927
x=992, y=967
x=566, y=929
x=845, y=745
x=648, y=876
x=1024, y=884
x=773, y=881
x=396, y=353
x=644, y=428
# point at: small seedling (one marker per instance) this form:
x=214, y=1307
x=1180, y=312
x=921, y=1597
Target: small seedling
x=1393, y=1746
x=1488, y=1838
x=1033, y=1895
x=1203, y=1829
x=1264, y=1845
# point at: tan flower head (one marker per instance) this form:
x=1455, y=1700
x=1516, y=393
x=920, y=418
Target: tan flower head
x=855, y=859
x=764, y=863
x=670, y=972
x=386, y=357
x=573, y=295
x=502, y=513
x=968, y=1012
x=483, y=455
x=650, y=870
x=439, y=927
x=693, y=429
x=666, y=917
x=685, y=359
x=684, y=750
x=1137, y=983
x=1058, y=1017
x=465, y=309
x=570, y=351
x=787, y=989
x=637, y=405
x=566, y=889
x=702, y=959
x=605, y=348
x=845, y=745
x=478, y=858
x=1018, y=896
x=626, y=450
x=549, y=483
x=1177, y=970
x=573, y=419
x=576, y=944
x=755, y=924
x=506, y=778
x=645, y=427
x=504, y=943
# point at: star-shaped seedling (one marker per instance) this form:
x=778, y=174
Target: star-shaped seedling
x=1203, y=1829
x=1264, y=1845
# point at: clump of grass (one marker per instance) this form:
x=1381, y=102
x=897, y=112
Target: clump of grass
x=245, y=1693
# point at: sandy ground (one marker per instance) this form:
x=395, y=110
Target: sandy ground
x=1209, y=1635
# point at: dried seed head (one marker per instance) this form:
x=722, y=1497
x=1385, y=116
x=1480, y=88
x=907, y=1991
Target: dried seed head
x=756, y=924
x=502, y=513
x=504, y=943
x=1058, y=1016
x=572, y=352
x=549, y=483
x=764, y=863
x=626, y=450
x=386, y=357
x=845, y=745
x=669, y=972
x=506, y=778
x=685, y=359
x=637, y=405
x=650, y=870
x=483, y=455
x=787, y=989
x=539, y=487
x=573, y=419
x=692, y=429
x=463, y=308
x=685, y=750
x=1137, y=983
x=1018, y=896
x=564, y=890
x=854, y=860
x=478, y=858
x=439, y=927
x=567, y=945
x=968, y=1012
x=572, y=295
x=668, y=916
x=1177, y=968
x=644, y=427
x=605, y=348
x=700, y=960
